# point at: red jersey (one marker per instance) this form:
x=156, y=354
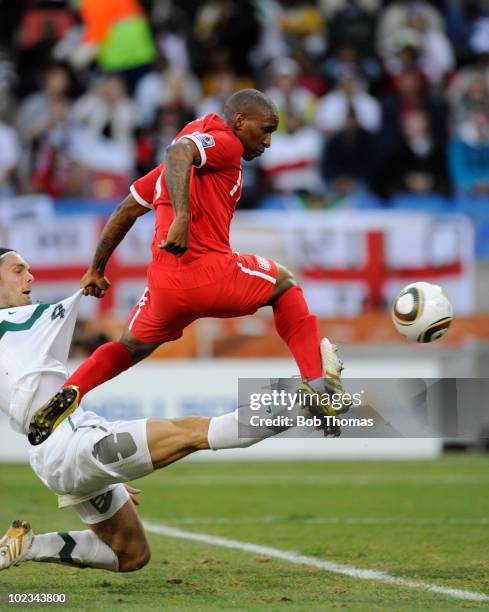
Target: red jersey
x=215, y=188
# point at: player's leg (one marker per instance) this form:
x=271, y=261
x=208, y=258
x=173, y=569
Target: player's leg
x=172, y=439
x=117, y=543
x=124, y=534
x=76, y=548
x=319, y=366
x=295, y=324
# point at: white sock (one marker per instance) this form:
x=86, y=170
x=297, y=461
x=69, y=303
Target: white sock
x=82, y=548
x=223, y=433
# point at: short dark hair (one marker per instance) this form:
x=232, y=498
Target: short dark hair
x=4, y=251
x=247, y=101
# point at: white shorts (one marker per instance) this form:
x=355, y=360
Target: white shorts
x=85, y=459
x=102, y=507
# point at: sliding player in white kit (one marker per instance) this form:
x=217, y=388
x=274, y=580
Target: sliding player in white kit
x=86, y=458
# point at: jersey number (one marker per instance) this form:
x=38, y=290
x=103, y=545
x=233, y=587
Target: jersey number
x=111, y=448
x=58, y=312
x=102, y=503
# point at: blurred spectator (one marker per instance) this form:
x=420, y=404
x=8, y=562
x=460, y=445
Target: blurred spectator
x=35, y=115
x=348, y=161
x=467, y=94
x=330, y=7
x=333, y=108
x=165, y=86
x=170, y=33
x=292, y=29
x=479, y=39
x=226, y=25
x=8, y=78
x=419, y=26
x=469, y=156
x=310, y=77
x=54, y=171
x=405, y=60
x=462, y=19
x=291, y=165
x=469, y=85
x=270, y=41
x=105, y=118
x=223, y=85
x=418, y=165
x=9, y=157
x=42, y=25
x=346, y=59
x=152, y=143
x=397, y=17
x=303, y=26
x=35, y=111
x=354, y=25
x=116, y=34
x=412, y=94
x=287, y=95
x=437, y=58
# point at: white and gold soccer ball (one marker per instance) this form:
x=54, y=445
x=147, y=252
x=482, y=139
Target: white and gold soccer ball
x=422, y=312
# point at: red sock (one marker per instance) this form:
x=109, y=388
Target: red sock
x=105, y=363
x=299, y=329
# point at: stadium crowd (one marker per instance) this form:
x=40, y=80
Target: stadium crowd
x=376, y=99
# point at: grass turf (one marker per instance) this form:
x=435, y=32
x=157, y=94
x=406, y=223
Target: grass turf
x=418, y=520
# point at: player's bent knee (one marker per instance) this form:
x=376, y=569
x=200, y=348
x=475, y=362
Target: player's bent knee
x=134, y=558
x=138, y=349
x=284, y=275
x=285, y=281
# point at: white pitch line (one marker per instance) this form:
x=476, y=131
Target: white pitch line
x=329, y=566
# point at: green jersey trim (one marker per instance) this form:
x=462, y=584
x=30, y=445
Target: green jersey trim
x=72, y=425
x=8, y=326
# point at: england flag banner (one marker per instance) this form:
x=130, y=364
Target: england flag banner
x=347, y=262
x=352, y=262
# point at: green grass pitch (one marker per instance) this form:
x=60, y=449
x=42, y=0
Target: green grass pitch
x=426, y=521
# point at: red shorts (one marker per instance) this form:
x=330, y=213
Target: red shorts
x=242, y=285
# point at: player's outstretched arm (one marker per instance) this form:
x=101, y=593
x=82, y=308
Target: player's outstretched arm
x=178, y=162
x=120, y=222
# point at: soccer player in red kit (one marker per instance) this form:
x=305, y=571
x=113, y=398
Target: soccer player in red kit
x=194, y=273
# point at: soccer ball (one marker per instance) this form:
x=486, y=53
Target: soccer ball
x=422, y=312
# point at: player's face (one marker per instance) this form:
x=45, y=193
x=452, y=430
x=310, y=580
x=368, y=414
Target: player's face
x=255, y=132
x=15, y=281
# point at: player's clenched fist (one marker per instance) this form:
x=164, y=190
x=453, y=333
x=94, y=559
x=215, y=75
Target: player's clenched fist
x=177, y=238
x=94, y=283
